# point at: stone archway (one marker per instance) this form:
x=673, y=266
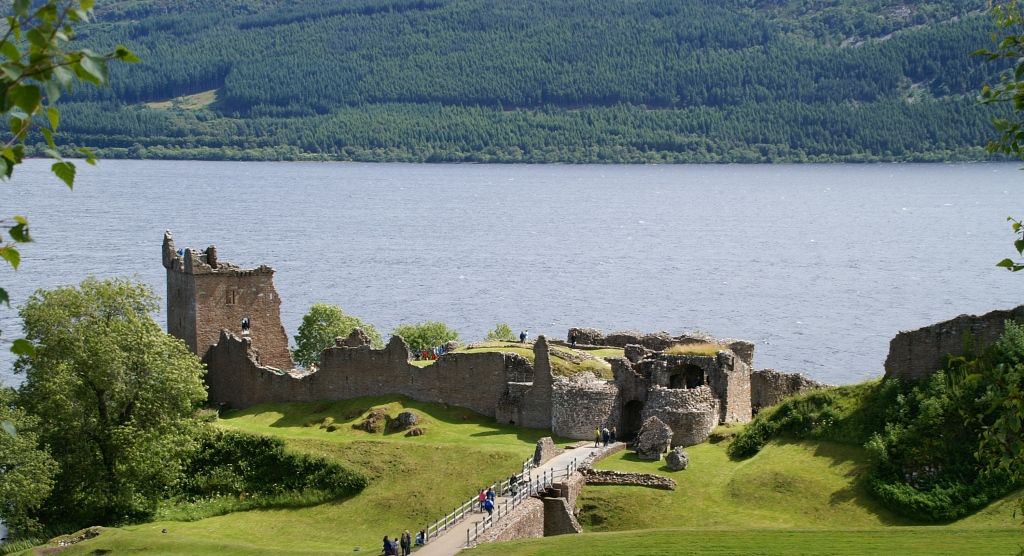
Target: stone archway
x=689, y=376
x=632, y=419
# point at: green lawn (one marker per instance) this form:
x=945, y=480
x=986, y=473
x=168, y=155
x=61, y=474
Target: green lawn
x=413, y=481
x=791, y=498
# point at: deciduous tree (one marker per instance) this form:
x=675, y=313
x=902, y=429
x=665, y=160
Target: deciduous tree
x=26, y=470
x=115, y=394
x=320, y=326
x=426, y=335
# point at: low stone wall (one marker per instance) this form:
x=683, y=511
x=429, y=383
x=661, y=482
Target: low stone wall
x=582, y=403
x=605, y=477
x=526, y=521
x=595, y=455
x=915, y=354
x=769, y=387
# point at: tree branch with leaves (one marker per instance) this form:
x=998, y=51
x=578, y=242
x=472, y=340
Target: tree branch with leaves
x=38, y=66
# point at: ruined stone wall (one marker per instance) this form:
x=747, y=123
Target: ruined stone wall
x=559, y=518
x=607, y=477
x=691, y=413
x=769, y=387
x=526, y=521
x=736, y=406
x=205, y=296
x=535, y=403
x=472, y=380
x=915, y=354
x=581, y=403
x=570, y=488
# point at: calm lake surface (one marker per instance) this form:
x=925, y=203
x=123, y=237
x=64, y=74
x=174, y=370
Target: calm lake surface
x=820, y=265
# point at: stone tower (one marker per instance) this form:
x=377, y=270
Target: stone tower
x=205, y=296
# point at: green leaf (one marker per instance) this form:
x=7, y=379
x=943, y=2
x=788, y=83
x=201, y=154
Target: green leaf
x=65, y=171
x=1005, y=263
x=89, y=157
x=26, y=97
x=21, y=7
x=122, y=53
x=11, y=255
x=19, y=232
x=7, y=48
x=4, y=298
x=24, y=347
x=10, y=428
x=48, y=135
x=12, y=71
x=52, y=94
x=86, y=4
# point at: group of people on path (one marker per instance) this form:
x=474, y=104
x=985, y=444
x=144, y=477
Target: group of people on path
x=605, y=435
x=486, y=500
x=403, y=545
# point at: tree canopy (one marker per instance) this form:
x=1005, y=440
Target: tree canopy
x=26, y=470
x=320, y=326
x=426, y=335
x=115, y=394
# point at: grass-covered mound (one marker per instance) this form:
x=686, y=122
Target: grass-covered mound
x=922, y=436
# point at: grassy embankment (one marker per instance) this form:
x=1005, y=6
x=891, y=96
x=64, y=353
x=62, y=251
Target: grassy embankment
x=413, y=481
x=791, y=498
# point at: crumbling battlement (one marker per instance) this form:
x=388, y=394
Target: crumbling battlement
x=631, y=340
x=205, y=296
x=915, y=354
x=472, y=380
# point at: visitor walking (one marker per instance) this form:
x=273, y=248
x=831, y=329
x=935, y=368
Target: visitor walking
x=613, y=435
x=605, y=435
x=513, y=483
x=522, y=336
x=597, y=437
x=489, y=506
x=406, y=543
x=490, y=494
x=482, y=498
x=389, y=547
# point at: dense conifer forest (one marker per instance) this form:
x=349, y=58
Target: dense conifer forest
x=540, y=80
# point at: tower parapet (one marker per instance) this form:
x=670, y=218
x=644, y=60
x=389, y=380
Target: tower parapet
x=205, y=296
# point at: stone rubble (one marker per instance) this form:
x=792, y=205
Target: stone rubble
x=653, y=440
x=677, y=459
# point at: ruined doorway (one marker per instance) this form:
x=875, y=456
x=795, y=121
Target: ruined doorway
x=690, y=376
x=631, y=419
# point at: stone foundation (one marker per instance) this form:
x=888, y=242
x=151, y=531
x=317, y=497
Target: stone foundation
x=526, y=521
x=769, y=387
x=604, y=477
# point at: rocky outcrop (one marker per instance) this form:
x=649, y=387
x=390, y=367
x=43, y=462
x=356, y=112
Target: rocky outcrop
x=653, y=440
x=405, y=420
x=677, y=459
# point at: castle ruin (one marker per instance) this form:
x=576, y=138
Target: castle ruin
x=208, y=301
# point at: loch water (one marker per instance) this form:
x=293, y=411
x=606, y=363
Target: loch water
x=819, y=265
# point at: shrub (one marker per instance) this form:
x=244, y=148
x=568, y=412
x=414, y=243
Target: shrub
x=320, y=326
x=501, y=333
x=426, y=335
x=235, y=463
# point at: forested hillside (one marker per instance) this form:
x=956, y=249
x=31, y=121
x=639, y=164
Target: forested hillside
x=540, y=80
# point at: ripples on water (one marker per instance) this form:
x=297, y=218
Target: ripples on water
x=820, y=265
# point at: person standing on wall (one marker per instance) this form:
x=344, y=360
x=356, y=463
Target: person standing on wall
x=522, y=336
x=572, y=339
